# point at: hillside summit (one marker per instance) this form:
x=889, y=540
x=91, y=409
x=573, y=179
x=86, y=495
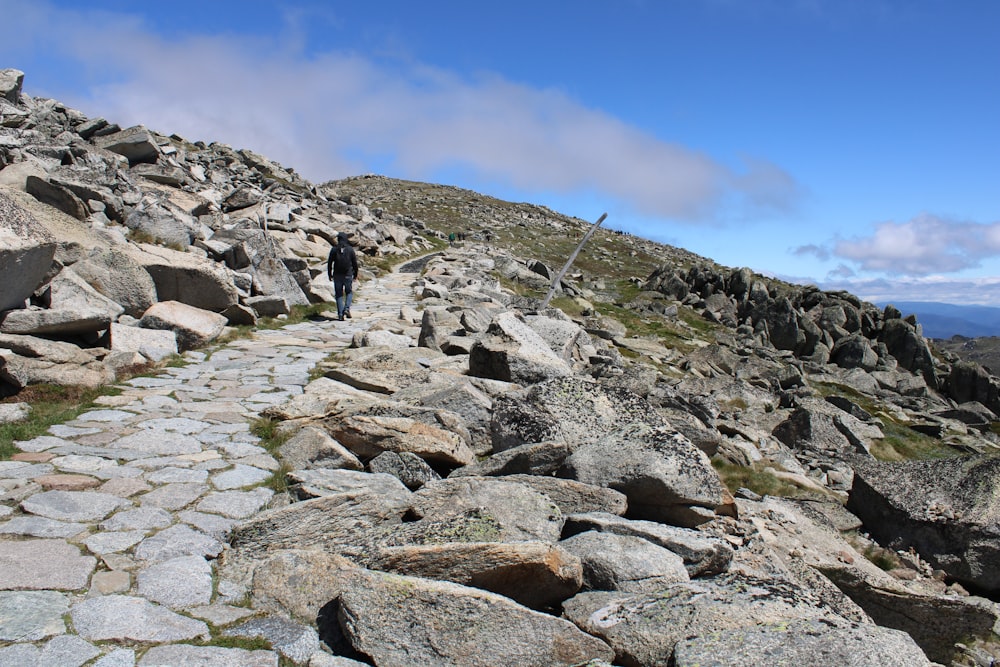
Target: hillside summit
x=676, y=463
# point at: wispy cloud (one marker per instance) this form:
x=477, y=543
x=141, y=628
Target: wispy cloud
x=981, y=291
x=922, y=246
x=334, y=114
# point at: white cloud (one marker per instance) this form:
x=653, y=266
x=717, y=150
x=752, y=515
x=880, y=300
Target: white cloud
x=336, y=114
x=980, y=291
x=922, y=246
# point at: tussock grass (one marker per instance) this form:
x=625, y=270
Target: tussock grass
x=271, y=439
x=901, y=443
x=758, y=480
x=50, y=405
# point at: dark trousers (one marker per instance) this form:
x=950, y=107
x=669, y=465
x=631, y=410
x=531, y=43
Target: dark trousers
x=343, y=290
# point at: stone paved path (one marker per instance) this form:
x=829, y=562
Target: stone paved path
x=109, y=523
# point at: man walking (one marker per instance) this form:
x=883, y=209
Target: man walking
x=342, y=269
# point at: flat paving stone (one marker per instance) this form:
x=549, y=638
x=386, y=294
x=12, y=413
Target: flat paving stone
x=175, y=475
x=175, y=425
x=108, y=542
x=73, y=505
x=293, y=640
x=212, y=525
x=119, y=657
x=23, y=470
x=124, y=487
x=125, y=618
x=153, y=442
x=43, y=565
x=142, y=518
x=207, y=656
x=64, y=431
x=67, y=482
x=177, y=583
x=177, y=541
x=39, y=526
x=221, y=614
x=19, y=655
x=239, y=476
x=32, y=615
x=235, y=504
x=67, y=651
x=173, y=496
x=83, y=463
x=100, y=416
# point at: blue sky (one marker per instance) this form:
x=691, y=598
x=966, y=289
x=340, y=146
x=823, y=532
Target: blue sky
x=850, y=143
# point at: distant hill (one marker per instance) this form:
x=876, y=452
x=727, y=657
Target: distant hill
x=944, y=320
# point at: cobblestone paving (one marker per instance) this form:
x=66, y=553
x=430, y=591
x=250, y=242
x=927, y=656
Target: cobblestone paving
x=110, y=523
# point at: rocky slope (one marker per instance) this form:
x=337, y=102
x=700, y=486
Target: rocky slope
x=681, y=463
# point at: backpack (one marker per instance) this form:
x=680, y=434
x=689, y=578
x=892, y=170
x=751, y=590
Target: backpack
x=342, y=260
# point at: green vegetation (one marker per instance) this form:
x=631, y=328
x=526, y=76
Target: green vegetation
x=271, y=439
x=758, y=480
x=50, y=404
x=901, y=443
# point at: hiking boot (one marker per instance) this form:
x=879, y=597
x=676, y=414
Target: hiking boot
x=340, y=317
x=347, y=314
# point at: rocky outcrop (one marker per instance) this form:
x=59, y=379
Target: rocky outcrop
x=26, y=252
x=482, y=482
x=946, y=510
x=142, y=218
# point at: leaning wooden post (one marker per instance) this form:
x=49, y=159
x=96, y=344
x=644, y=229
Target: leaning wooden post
x=559, y=277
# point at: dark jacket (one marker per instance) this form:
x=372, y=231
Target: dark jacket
x=342, y=260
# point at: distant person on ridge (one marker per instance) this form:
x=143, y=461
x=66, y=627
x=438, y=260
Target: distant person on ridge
x=342, y=269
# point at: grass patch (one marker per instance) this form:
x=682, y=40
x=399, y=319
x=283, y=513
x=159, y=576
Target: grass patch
x=901, y=443
x=271, y=439
x=758, y=480
x=882, y=558
x=50, y=405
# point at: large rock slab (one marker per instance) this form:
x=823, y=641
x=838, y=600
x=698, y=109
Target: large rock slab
x=118, y=276
x=516, y=512
x=572, y=497
x=21, y=372
x=800, y=533
x=399, y=620
x=624, y=562
x=194, y=327
x=136, y=143
x=572, y=410
x=343, y=524
x=947, y=510
x=26, y=252
x=184, y=277
x=298, y=582
x=66, y=321
x=312, y=447
x=535, y=459
x=535, y=574
x=703, y=554
x=154, y=344
x=644, y=628
x=512, y=351
x=802, y=643
x=664, y=476
x=254, y=251
x=370, y=435
x=69, y=291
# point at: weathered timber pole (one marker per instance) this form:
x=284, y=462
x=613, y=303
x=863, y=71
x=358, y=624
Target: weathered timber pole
x=559, y=277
